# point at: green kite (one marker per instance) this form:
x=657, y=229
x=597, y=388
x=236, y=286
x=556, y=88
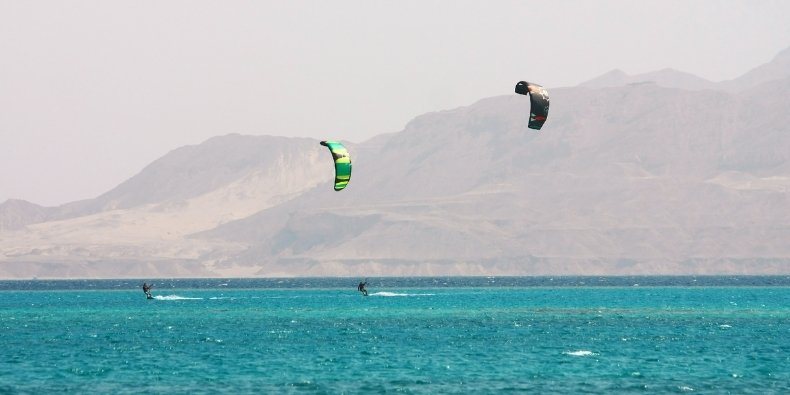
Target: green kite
x=342, y=163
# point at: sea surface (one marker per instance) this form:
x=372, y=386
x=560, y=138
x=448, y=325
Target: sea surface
x=457, y=335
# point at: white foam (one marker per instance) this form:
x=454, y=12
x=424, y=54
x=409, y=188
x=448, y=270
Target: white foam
x=685, y=388
x=174, y=297
x=580, y=353
x=388, y=294
x=724, y=326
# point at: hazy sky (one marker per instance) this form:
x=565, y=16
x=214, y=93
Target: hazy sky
x=93, y=91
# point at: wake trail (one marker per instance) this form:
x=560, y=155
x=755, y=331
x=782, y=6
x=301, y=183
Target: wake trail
x=391, y=294
x=174, y=297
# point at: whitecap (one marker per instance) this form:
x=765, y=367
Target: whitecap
x=685, y=388
x=724, y=326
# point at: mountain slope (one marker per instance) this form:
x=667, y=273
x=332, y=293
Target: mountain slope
x=776, y=70
x=633, y=179
x=144, y=222
x=638, y=179
x=667, y=78
x=16, y=214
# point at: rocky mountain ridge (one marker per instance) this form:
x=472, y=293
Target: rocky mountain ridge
x=626, y=178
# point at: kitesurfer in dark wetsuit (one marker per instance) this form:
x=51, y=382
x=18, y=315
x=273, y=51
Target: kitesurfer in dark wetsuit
x=361, y=288
x=147, y=290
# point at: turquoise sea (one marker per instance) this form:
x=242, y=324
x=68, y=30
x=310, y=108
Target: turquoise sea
x=457, y=335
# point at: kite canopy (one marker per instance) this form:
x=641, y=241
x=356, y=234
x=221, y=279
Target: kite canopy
x=342, y=163
x=539, y=103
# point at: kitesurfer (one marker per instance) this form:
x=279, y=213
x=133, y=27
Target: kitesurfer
x=147, y=290
x=361, y=288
